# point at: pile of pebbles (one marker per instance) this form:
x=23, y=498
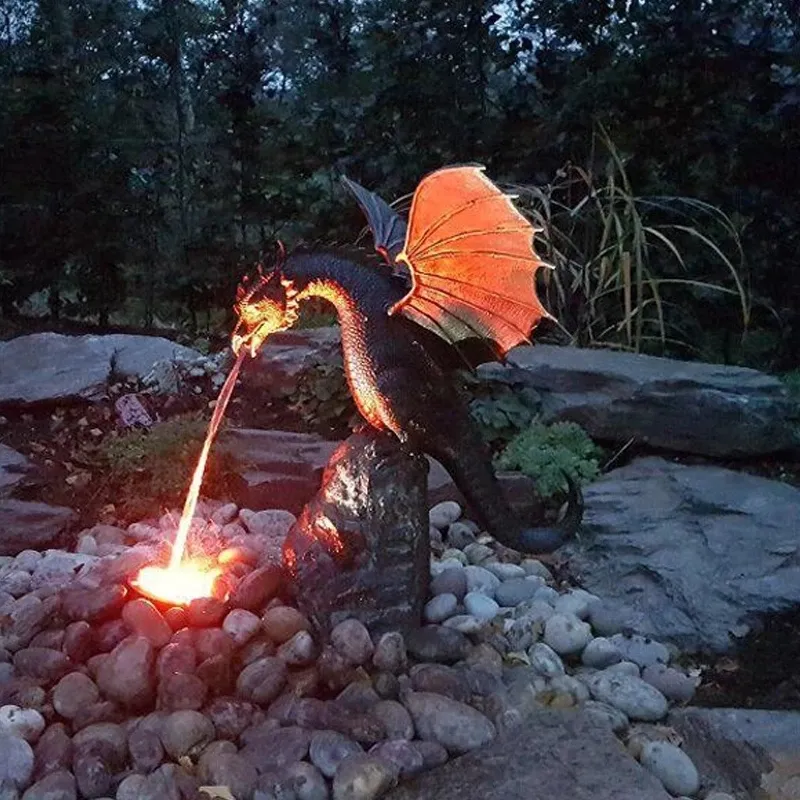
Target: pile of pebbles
x=104, y=694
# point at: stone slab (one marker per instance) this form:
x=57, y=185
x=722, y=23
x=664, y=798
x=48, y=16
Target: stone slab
x=692, y=407
x=557, y=755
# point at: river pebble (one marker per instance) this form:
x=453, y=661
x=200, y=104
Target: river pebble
x=444, y=514
x=450, y=581
x=480, y=606
x=440, y=607
x=567, y=634
x=480, y=580
x=672, y=767
x=454, y=725
x=635, y=698
x=513, y=591
x=26, y=723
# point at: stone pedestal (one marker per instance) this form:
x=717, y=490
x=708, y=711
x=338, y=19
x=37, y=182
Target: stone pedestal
x=360, y=547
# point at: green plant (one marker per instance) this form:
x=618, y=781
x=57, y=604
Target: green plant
x=792, y=382
x=501, y=410
x=623, y=276
x=546, y=452
x=154, y=466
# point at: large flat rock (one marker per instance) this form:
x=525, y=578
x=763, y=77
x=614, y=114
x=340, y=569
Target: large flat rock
x=691, y=407
x=742, y=750
x=285, y=355
x=32, y=526
x=558, y=755
x=52, y=367
x=694, y=551
x=282, y=469
x=13, y=468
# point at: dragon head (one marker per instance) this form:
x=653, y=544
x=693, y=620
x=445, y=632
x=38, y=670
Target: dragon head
x=264, y=305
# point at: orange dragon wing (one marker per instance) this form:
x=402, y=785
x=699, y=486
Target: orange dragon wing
x=471, y=258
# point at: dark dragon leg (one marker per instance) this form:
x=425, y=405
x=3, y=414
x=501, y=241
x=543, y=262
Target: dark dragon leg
x=453, y=439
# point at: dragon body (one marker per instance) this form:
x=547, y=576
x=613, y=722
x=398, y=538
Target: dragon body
x=388, y=316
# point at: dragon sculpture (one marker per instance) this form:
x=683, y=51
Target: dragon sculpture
x=457, y=279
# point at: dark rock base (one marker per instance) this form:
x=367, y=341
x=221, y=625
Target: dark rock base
x=360, y=548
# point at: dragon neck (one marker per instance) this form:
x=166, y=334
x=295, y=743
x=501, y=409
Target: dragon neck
x=356, y=291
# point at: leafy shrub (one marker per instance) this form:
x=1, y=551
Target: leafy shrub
x=153, y=467
x=501, y=410
x=633, y=272
x=792, y=383
x=546, y=452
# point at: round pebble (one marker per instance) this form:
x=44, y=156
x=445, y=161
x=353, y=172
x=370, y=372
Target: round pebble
x=545, y=660
x=514, y=591
x=566, y=634
x=575, y=601
x=299, y=651
x=390, y=653
x=450, y=581
x=464, y=623
x=186, y=733
x=329, y=748
x=444, y=514
x=505, y=571
x=672, y=767
x=624, y=668
x=452, y=724
x=600, y=653
x=306, y=781
x=26, y=723
x=395, y=718
x=440, y=607
x=74, y=692
x=352, y=641
x=282, y=622
x=241, y=625
x=608, y=715
x=640, y=649
x=460, y=534
x=637, y=699
x=144, y=619
x=480, y=606
x=363, y=777
x=477, y=553
x=480, y=580
x=672, y=683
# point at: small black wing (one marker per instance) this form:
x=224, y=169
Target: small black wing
x=387, y=226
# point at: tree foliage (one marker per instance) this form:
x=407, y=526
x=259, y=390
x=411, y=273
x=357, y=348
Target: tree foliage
x=150, y=150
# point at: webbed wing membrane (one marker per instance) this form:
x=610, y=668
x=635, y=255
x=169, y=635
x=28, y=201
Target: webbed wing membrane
x=388, y=228
x=471, y=258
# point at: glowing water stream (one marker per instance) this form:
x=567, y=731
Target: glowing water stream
x=181, y=581
x=197, y=479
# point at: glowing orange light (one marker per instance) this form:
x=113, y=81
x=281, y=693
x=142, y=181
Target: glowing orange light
x=177, y=585
x=182, y=581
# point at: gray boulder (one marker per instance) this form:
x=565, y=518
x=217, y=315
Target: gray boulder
x=32, y=526
x=275, y=469
x=747, y=752
x=52, y=367
x=558, y=754
x=694, y=552
x=286, y=355
x=691, y=407
x=282, y=469
x=13, y=469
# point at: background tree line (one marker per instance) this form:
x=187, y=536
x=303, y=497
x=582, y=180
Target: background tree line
x=151, y=149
